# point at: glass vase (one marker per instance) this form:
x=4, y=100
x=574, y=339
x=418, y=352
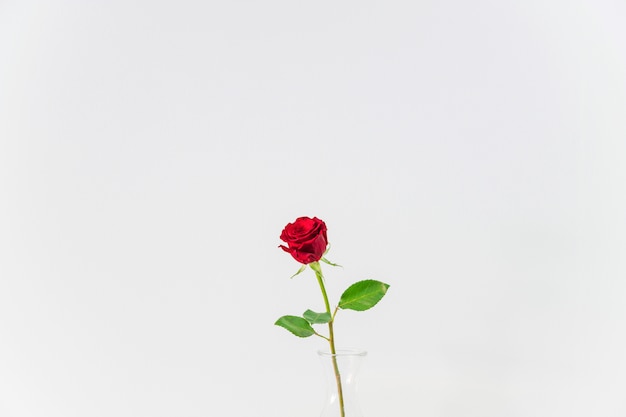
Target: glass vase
x=341, y=371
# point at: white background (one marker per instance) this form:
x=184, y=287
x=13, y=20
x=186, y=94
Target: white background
x=471, y=154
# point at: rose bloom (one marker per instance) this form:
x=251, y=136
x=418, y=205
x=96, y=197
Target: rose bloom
x=306, y=239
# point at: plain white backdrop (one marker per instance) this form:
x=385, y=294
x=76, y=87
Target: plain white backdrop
x=471, y=154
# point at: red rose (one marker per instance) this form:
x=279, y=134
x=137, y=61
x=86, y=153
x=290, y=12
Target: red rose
x=306, y=239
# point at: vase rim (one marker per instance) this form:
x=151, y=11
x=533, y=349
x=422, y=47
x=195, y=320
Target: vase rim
x=343, y=352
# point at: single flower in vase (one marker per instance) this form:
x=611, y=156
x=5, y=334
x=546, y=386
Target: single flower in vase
x=307, y=242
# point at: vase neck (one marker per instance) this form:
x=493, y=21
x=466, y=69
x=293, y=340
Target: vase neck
x=341, y=370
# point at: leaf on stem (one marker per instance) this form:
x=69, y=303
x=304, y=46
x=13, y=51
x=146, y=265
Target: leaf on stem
x=296, y=325
x=363, y=295
x=316, y=318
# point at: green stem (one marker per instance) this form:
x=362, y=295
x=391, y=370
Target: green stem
x=322, y=336
x=315, y=266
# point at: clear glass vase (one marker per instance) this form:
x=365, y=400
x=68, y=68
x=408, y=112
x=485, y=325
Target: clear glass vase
x=341, y=371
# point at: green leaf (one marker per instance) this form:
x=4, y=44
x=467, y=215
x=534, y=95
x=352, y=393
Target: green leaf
x=316, y=318
x=330, y=263
x=296, y=325
x=302, y=268
x=363, y=295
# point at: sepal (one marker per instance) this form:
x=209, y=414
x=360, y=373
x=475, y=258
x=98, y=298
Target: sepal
x=302, y=268
x=326, y=261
